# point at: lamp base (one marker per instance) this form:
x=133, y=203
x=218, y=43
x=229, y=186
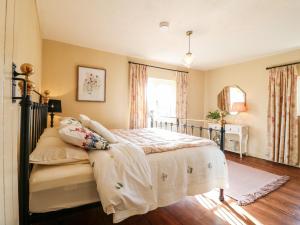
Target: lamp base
x=51, y=119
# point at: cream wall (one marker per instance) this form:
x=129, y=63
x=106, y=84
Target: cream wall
x=22, y=43
x=60, y=62
x=252, y=77
x=27, y=38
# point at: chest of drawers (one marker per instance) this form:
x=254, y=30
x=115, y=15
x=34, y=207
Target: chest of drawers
x=241, y=130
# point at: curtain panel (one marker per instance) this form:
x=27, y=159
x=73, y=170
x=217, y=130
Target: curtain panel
x=138, y=96
x=181, y=95
x=282, y=115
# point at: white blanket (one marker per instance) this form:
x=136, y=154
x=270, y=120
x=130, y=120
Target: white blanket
x=130, y=182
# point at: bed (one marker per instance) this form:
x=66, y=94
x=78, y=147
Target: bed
x=81, y=184
x=173, y=175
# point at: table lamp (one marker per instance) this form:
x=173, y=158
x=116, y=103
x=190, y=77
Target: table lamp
x=54, y=106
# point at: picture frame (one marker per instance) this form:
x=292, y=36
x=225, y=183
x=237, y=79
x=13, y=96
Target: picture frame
x=91, y=84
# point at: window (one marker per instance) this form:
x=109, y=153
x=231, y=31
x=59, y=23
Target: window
x=298, y=95
x=161, y=97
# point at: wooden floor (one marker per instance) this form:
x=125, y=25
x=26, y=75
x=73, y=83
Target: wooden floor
x=280, y=207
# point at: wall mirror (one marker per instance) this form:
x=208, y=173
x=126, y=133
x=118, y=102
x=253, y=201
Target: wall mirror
x=232, y=99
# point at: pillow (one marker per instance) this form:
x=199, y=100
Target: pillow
x=69, y=121
x=84, y=120
x=66, y=117
x=83, y=137
x=53, y=151
x=102, y=131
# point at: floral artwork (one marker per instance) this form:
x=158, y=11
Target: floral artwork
x=91, y=84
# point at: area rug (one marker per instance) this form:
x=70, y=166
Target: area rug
x=246, y=184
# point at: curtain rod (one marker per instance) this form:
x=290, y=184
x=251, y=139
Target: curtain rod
x=288, y=64
x=158, y=67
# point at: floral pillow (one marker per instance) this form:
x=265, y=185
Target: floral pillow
x=83, y=138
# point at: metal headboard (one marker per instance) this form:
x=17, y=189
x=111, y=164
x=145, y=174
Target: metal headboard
x=33, y=123
x=182, y=125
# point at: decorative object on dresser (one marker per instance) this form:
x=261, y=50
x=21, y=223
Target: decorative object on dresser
x=91, y=84
x=238, y=107
x=53, y=106
x=213, y=116
x=236, y=129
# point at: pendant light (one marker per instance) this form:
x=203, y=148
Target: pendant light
x=188, y=57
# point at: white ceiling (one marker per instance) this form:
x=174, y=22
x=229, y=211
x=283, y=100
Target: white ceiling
x=225, y=31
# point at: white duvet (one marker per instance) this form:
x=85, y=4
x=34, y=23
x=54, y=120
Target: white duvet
x=130, y=182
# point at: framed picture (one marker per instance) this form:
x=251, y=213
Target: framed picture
x=91, y=84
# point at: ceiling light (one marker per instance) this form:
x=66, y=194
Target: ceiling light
x=164, y=26
x=188, y=57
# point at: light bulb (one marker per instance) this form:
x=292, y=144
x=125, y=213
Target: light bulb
x=188, y=59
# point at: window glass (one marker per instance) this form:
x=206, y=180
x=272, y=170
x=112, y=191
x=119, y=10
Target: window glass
x=161, y=97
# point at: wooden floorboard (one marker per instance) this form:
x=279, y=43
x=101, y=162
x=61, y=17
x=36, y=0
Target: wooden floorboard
x=281, y=207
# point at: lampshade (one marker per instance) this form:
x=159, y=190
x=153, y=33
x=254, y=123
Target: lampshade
x=54, y=105
x=188, y=59
x=238, y=107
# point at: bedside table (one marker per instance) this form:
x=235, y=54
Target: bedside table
x=241, y=130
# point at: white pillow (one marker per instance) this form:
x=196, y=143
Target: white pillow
x=53, y=151
x=69, y=121
x=66, y=117
x=83, y=137
x=84, y=120
x=102, y=131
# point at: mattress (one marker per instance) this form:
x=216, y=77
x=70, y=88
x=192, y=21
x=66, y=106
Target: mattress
x=58, y=187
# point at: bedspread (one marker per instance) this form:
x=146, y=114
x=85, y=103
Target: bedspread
x=153, y=140
x=130, y=182
x=123, y=179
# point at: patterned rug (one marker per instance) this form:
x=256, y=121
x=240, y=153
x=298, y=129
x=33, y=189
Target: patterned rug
x=248, y=184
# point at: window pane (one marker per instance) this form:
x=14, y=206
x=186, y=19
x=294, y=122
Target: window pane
x=161, y=96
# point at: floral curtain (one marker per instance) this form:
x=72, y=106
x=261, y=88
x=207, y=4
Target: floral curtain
x=138, y=96
x=181, y=95
x=282, y=115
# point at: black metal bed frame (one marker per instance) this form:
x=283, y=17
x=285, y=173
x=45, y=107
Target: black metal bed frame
x=184, y=128
x=33, y=123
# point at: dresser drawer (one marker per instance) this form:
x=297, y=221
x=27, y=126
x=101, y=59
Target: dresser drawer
x=229, y=128
x=232, y=129
x=214, y=126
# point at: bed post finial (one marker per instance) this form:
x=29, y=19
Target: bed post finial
x=46, y=97
x=26, y=70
